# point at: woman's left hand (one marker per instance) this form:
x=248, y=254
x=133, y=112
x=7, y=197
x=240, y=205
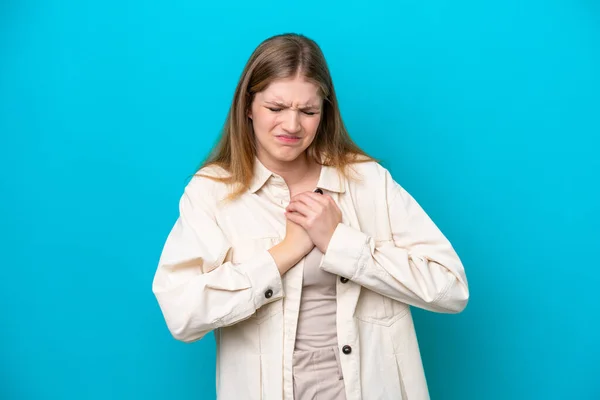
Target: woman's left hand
x=317, y=214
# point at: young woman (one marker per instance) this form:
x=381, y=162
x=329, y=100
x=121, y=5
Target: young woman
x=299, y=251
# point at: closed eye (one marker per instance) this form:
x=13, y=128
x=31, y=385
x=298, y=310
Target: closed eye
x=278, y=109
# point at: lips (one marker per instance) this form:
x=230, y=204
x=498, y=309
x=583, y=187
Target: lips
x=290, y=137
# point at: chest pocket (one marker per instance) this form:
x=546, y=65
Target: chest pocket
x=375, y=308
x=244, y=250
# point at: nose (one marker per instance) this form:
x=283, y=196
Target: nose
x=291, y=123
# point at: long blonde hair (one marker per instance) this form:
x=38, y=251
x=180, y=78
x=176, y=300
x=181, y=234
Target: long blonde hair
x=279, y=57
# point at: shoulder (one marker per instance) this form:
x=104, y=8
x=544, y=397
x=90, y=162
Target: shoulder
x=369, y=171
x=208, y=185
x=371, y=179
x=212, y=171
x=374, y=184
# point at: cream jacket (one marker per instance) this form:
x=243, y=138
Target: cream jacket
x=215, y=274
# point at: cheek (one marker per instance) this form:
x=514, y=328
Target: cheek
x=263, y=121
x=311, y=125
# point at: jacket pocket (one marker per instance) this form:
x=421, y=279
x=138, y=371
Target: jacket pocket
x=242, y=251
x=379, y=309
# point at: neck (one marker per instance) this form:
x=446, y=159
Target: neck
x=292, y=172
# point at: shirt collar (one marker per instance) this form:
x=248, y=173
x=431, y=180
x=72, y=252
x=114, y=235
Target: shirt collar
x=330, y=179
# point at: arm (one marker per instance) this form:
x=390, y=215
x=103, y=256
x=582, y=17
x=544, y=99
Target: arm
x=418, y=266
x=196, y=290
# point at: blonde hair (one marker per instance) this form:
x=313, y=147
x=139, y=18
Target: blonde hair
x=279, y=57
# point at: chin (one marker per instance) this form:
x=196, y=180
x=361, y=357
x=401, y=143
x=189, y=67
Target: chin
x=288, y=155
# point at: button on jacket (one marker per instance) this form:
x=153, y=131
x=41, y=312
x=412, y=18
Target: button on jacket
x=215, y=274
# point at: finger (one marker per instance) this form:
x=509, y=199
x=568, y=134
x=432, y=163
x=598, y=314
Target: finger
x=333, y=203
x=296, y=218
x=326, y=202
x=313, y=200
x=321, y=198
x=302, y=208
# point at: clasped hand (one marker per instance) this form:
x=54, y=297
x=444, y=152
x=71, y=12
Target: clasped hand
x=318, y=214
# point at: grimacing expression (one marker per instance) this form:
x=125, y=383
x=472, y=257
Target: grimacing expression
x=285, y=117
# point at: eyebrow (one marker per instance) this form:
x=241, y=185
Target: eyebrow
x=284, y=105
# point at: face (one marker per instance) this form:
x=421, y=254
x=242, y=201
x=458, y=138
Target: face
x=285, y=117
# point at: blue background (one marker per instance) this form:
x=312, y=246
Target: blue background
x=487, y=112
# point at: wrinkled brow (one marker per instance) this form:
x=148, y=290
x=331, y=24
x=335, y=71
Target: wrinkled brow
x=281, y=104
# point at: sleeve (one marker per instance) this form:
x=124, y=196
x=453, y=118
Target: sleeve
x=197, y=290
x=418, y=266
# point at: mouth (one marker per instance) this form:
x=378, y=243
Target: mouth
x=288, y=138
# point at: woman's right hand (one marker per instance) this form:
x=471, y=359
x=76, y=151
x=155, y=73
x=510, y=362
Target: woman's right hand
x=292, y=248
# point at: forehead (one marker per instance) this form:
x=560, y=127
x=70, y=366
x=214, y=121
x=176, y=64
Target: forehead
x=296, y=90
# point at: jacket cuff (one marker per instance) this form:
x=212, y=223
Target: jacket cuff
x=265, y=279
x=343, y=255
